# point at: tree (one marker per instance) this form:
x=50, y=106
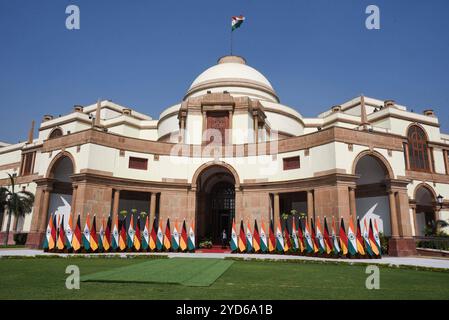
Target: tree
x=16, y=203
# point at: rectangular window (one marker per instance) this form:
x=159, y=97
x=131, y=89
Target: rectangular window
x=291, y=163
x=28, y=163
x=138, y=163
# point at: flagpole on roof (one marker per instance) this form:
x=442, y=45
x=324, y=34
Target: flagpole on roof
x=231, y=40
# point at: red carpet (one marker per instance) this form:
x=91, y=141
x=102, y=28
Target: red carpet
x=214, y=249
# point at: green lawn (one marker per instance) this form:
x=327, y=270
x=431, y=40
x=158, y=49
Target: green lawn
x=44, y=278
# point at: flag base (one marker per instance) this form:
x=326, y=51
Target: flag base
x=401, y=247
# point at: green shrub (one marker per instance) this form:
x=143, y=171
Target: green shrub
x=384, y=242
x=439, y=242
x=20, y=238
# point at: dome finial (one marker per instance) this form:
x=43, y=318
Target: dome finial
x=231, y=59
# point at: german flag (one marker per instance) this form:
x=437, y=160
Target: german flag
x=300, y=236
x=167, y=236
x=256, y=238
x=137, y=237
x=287, y=241
x=76, y=240
x=61, y=236
x=372, y=239
x=366, y=239
x=343, y=238
x=153, y=236
x=313, y=236
x=54, y=234
x=183, y=239
x=359, y=239
x=271, y=238
x=327, y=239
x=93, y=236
x=107, y=235
x=242, y=238
x=122, y=236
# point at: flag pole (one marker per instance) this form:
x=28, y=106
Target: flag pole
x=231, y=41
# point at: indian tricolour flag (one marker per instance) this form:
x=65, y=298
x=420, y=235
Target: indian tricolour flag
x=308, y=237
x=319, y=236
x=115, y=235
x=279, y=238
x=86, y=234
x=175, y=237
x=237, y=22
x=146, y=235
x=249, y=239
x=160, y=237
x=191, y=240
x=263, y=239
x=295, y=235
x=335, y=243
x=352, y=241
x=233, y=242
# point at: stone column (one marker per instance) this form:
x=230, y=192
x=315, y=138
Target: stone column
x=393, y=215
x=115, y=204
x=152, y=206
x=277, y=209
x=415, y=225
x=44, y=212
x=74, y=193
x=401, y=243
x=430, y=159
x=256, y=128
x=407, y=156
x=446, y=160
x=310, y=204
x=352, y=203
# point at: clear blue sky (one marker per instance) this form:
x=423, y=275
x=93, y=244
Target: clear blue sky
x=145, y=54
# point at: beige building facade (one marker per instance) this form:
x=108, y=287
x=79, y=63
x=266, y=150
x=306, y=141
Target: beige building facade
x=230, y=149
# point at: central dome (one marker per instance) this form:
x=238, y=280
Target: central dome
x=232, y=74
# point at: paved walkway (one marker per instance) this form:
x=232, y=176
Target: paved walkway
x=440, y=263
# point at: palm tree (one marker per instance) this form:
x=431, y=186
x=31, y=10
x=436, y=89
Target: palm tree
x=17, y=203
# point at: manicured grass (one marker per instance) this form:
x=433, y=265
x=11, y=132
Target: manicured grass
x=193, y=272
x=44, y=278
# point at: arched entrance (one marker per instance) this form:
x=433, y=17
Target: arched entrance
x=425, y=211
x=215, y=185
x=60, y=171
x=372, y=201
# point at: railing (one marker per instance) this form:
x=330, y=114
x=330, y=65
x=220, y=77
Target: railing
x=439, y=243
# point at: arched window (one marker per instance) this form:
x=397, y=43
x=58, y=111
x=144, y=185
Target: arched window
x=56, y=133
x=417, y=149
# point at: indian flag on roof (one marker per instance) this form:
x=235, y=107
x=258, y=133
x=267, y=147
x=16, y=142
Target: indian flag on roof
x=237, y=22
